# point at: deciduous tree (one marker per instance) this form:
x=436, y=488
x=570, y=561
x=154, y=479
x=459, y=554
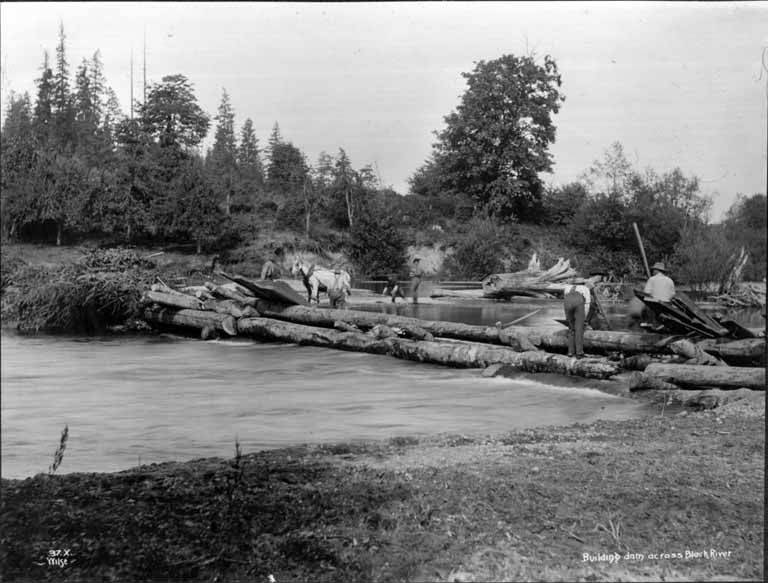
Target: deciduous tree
x=497, y=141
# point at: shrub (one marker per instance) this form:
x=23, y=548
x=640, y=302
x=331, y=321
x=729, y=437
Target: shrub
x=376, y=246
x=703, y=255
x=479, y=251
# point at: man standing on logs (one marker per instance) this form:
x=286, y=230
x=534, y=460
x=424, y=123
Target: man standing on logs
x=577, y=301
x=271, y=269
x=337, y=293
x=416, y=274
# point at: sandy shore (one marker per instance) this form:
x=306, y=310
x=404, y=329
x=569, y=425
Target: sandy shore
x=672, y=496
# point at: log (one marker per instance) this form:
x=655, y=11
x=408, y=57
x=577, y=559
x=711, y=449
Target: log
x=694, y=353
x=230, y=294
x=231, y=307
x=344, y=327
x=175, y=300
x=455, y=354
x=197, y=319
x=692, y=375
x=600, y=341
x=639, y=381
x=745, y=352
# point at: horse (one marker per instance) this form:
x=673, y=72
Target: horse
x=317, y=279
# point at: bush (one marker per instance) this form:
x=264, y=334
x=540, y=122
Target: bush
x=703, y=255
x=376, y=246
x=479, y=251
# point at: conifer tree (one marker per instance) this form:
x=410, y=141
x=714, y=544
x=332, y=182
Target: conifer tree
x=223, y=156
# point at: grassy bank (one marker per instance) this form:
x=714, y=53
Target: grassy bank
x=522, y=506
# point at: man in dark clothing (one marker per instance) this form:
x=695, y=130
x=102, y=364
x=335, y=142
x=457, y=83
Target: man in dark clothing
x=271, y=269
x=393, y=289
x=416, y=274
x=577, y=300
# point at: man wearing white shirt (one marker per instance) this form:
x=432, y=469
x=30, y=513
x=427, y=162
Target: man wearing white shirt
x=660, y=286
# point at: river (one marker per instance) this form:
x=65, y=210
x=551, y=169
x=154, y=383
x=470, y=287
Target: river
x=162, y=398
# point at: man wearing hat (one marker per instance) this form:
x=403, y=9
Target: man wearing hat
x=660, y=286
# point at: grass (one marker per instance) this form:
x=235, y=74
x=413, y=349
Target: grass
x=521, y=506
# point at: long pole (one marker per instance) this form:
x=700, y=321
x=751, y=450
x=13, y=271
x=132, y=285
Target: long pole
x=131, y=83
x=642, y=249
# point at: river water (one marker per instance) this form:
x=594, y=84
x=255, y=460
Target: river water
x=161, y=398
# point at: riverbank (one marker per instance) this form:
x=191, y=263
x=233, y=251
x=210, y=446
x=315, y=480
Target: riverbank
x=556, y=503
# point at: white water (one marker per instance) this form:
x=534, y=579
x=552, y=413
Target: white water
x=164, y=398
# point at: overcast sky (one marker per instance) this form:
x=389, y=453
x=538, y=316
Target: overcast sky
x=678, y=84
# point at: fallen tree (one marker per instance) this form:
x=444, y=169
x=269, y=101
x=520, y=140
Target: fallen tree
x=455, y=354
x=532, y=281
x=696, y=376
x=196, y=319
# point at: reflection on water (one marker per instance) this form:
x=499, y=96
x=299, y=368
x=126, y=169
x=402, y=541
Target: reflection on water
x=164, y=398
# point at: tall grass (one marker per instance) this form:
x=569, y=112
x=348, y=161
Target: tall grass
x=58, y=455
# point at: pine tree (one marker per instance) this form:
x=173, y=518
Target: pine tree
x=223, y=156
x=249, y=166
x=63, y=118
x=43, y=114
x=17, y=160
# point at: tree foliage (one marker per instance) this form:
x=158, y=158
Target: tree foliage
x=497, y=141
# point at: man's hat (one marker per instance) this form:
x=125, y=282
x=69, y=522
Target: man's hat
x=415, y=259
x=660, y=266
x=598, y=272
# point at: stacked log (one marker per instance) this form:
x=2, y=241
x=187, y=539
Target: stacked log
x=455, y=354
x=234, y=310
x=520, y=337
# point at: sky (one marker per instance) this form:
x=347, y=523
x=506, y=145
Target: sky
x=677, y=84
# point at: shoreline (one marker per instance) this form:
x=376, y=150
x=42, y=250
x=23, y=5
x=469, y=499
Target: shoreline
x=524, y=504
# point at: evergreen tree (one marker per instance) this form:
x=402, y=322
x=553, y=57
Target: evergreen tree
x=85, y=115
x=43, y=115
x=63, y=118
x=249, y=166
x=223, y=157
x=17, y=161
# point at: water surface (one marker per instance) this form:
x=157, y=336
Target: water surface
x=163, y=398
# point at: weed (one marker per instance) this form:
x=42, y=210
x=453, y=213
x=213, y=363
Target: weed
x=59, y=454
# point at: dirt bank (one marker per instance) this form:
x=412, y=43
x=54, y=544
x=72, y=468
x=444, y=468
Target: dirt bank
x=675, y=497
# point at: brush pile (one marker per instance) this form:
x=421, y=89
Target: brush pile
x=742, y=295
x=100, y=291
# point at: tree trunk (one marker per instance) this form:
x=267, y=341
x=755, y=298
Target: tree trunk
x=128, y=233
x=195, y=319
x=174, y=300
x=348, y=198
x=230, y=294
x=594, y=340
x=228, y=203
x=58, y=234
x=747, y=351
x=306, y=223
x=696, y=376
x=199, y=246
x=456, y=354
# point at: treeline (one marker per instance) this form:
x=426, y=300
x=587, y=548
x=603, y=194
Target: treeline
x=74, y=165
